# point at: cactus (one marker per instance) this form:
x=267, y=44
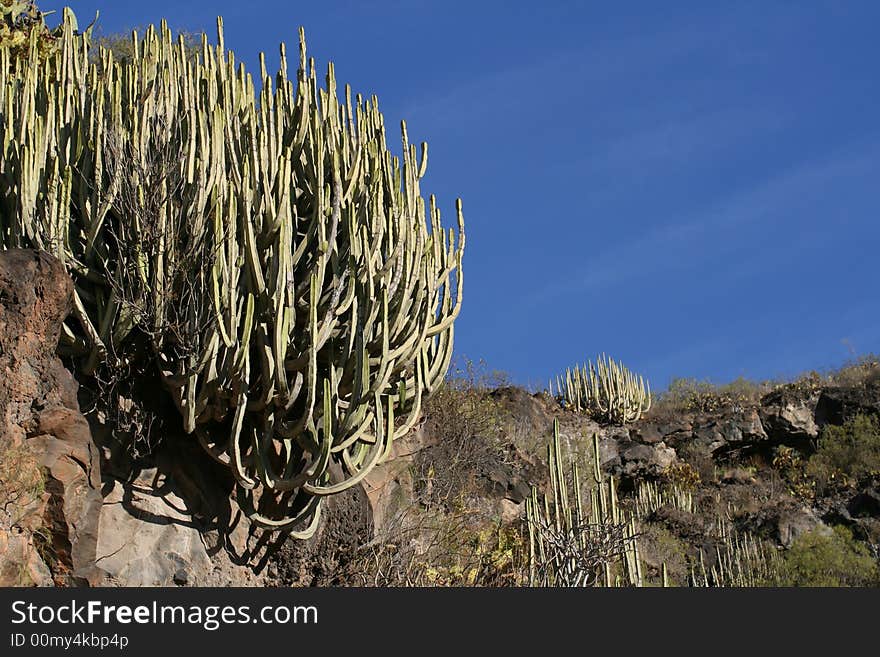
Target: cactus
x=567, y=545
x=741, y=560
x=650, y=497
x=607, y=391
x=292, y=286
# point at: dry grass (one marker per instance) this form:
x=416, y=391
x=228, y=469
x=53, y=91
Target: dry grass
x=693, y=396
x=686, y=395
x=467, y=426
x=21, y=482
x=435, y=548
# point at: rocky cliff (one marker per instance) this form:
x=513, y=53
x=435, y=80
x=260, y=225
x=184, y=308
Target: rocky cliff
x=51, y=497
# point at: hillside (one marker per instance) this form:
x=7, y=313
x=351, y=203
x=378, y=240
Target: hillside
x=746, y=484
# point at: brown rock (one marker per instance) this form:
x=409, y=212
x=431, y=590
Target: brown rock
x=648, y=433
x=39, y=411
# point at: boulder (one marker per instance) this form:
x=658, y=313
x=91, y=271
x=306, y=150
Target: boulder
x=609, y=456
x=866, y=503
x=148, y=537
x=675, y=425
x=647, y=433
x=503, y=481
x=743, y=427
x=708, y=436
x=792, y=523
x=640, y=461
x=788, y=417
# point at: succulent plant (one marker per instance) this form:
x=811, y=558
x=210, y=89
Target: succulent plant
x=293, y=288
x=570, y=545
x=607, y=391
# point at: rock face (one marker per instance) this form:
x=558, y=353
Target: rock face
x=781, y=418
x=146, y=536
x=792, y=523
x=169, y=519
x=837, y=405
x=40, y=421
x=787, y=417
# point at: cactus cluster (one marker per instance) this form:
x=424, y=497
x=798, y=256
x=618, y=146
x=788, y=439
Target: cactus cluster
x=607, y=391
x=651, y=496
x=257, y=241
x=741, y=560
x=570, y=546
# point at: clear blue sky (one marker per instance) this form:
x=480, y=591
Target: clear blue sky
x=691, y=189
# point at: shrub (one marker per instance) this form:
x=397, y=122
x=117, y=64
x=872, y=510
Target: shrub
x=792, y=468
x=660, y=547
x=685, y=476
x=438, y=549
x=120, y=43
x=696, y=467
x=465, y=423
x=21, y=480
x=691, y=395
x=846, y=453
x=820, y=558
x=864, y=370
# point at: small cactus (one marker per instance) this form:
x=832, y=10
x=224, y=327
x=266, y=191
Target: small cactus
x=608, y=391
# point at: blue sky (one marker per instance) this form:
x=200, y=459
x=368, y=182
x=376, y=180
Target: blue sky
x=690, y=187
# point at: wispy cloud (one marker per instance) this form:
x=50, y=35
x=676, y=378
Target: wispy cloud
x=686, y=139
x=560, y=74
x=682, y=243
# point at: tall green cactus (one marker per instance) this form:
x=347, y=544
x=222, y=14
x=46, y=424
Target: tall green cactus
x=607, y=391
x=651, y=496
x=570, y=546
x=294, y=289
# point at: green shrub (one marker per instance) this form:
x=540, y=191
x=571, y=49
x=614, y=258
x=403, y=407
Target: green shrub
x=827, y=559
x=658, y=547
x=846, y=453
x=860, y=371
x=791, y=467
x=122, y=47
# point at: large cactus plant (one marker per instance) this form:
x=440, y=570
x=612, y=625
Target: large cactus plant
x=607, y=390
x=570, y=546
x=294, y=289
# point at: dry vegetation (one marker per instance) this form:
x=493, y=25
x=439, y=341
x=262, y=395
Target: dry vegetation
x=21, y=481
